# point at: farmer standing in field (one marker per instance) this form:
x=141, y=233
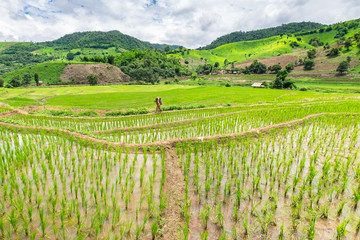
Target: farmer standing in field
x=158, y=104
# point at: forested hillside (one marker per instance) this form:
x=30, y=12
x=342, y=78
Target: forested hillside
x=263, y=33
x=98, y=39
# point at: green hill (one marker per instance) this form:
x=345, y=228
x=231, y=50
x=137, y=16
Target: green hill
x=18, y=55
x=97, y=39
x=295, y=44
x=49, y=72
x=102, y=40
x=263, y=33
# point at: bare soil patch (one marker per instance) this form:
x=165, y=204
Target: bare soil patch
x=107, y=74
x=282, y=60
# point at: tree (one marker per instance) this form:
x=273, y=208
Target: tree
x=36, y=78
x=256, y=67
x=26, y=79
x=289, y=67
x=70, y=56
x=167, y=49
x=311, y=53
x=348, y=44
x=282, y=74
x=343, y=67
x=15, y=81
x=348, y=59
x=309, y=64
x=92, y=79
x=1, y=82
x=334, y=52
x=275, y=68
x=216, y=64
x=277, y=84
x=207, y=68
x=111, y=59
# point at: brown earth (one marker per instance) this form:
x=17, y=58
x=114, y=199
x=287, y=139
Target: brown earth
x=174, y=189
x=324, y=66
x=107, y=74
x=282, y=60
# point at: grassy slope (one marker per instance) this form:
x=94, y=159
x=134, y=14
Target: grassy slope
x=50, y=51
x=264, y=48
x=4, y=45
x=134, y=97
x=49, y=72
x=239, y=52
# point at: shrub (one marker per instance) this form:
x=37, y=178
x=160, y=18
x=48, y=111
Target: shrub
x=303, y=89
x=309, y=64
x=92, y=79
x=294, y=44
x=167, y=82
x=8, y=85
x=289, y=67
x=227, y=85
x=266, y=84
x=343, y=67
x=87, y=113
x=1, y=82
x=128, y=112
x=289, y=84
x=311, y=53
x=176, y=80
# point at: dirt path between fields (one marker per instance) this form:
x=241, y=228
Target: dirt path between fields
x=174, y=189
x=12, y=112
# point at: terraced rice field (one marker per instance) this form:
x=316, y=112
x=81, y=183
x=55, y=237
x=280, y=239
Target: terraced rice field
x=282, y=171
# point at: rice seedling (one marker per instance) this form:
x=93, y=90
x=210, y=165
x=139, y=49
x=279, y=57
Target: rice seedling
x=341, y=229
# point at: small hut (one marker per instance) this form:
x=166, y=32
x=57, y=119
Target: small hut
x=258, y=85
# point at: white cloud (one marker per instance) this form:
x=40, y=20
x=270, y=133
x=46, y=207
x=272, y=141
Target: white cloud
x=186, y=22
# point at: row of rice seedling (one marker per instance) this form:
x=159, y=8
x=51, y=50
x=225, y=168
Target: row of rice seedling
x=100, y=124
x=104, y=124
x=2, y=110
x=228, y=124
x=53, y=187
x=301, y=183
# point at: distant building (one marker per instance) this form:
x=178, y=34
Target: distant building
x=258, y=85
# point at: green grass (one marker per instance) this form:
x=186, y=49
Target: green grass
x=125, y=97
x=239, y=51
x=49, y=72
x=185, y=96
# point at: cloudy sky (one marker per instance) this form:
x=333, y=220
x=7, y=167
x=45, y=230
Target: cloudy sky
x=191, y=23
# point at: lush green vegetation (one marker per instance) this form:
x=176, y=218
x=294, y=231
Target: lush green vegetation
x=284, y=29
x=118, y=97
x=49, y=72
x=101, y=40
x=245, y=50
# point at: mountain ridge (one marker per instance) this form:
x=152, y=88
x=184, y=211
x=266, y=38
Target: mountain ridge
x=283, y=29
